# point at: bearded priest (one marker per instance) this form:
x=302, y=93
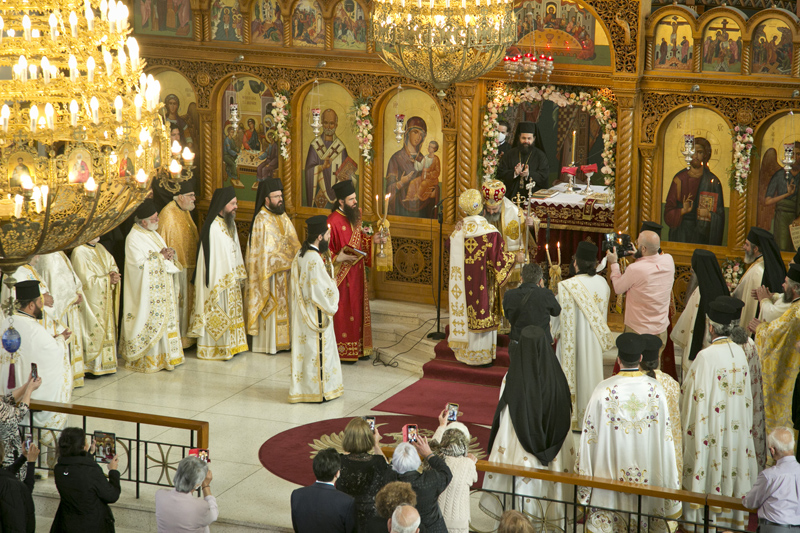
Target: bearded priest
x=179, y=231
x=479, y=265
x=351, y=250
x=316, y=372
x=525, y=164
x=150, y=339
x=271, y=248
x=218, y=315
x=765, y=268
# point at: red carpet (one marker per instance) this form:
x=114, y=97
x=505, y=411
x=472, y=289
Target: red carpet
x=288, y=455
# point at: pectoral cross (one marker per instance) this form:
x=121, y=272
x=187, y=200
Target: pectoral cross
x=518, y=201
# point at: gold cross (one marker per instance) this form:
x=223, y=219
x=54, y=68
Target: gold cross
x=518, y=200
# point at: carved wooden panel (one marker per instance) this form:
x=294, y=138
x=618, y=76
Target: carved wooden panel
x=621, y=18
x=683, y=274
x=413, y=261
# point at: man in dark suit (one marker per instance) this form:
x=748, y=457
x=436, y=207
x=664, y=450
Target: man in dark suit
x=530, y=304
x=320, y=508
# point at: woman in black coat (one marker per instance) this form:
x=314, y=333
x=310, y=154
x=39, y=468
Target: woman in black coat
x=85, y=491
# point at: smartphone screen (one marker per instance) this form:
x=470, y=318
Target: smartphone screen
x=105, y=446
x=34, y=371
x=28, y=442
x=371, y=421
x=200, y=453
x=412, y=433
x=452, y=412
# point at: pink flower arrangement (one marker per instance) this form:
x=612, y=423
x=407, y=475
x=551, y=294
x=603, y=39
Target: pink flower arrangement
x=363, y=126
x=732, y=271
x=280, y=113
x=742, y=152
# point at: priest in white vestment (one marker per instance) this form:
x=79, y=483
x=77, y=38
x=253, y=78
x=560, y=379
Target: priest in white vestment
x=100, y=277
x=150, y=340
x=272, y=245
x=582, y=329
x=717, y=412
x=218, y=315
x=688, y=335
x=48, y=352
x=531, y=429
x=766, y=268
x=316, y=372
x=66, y=288
x=48, y=320
x=627, y=436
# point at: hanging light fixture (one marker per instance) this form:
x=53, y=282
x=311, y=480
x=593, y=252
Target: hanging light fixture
x=442, y=42
x=688, y=140
x=315, y=120
x=530, y=64
x=399, y=118
x=78, y=98
x=788, y=149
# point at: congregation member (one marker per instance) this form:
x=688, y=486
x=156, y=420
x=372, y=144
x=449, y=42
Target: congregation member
x=582, y=328
x=765, y=268
x=178, y=510
x=14, y=408
x=512, y=521
x=320, y=508
x=706, y=284
x=717, y=416
x=776, y=492
x=100, y=278
x=177, y=228
x=362, y=472
x=649, y=365
x=525, y=164
x=316, y=372
x=780, y=360
x=476, y=247
x=65, y=287
x=150, y=336
x=405, y=519
x=351, y=250
x=85, y=492
x=531, y=426
x=428, y=484
x=647, y=284
x=17, y=510
x=530, y=304
x=388, y=499
x=50, y=355
x=218, y=313
x=642, y=444
x=272, y=245
x=503, y=144
x=452, y=444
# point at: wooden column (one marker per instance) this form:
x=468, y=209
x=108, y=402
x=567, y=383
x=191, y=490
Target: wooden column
x=368, y=198
x=648, y=59
x=646, y=195
x=746, y=65
x=449, y=178
x=287, y=30
x=329, y=34
x=624, y=207
x=466, y=118
x=206, y=25
x=697, y=58
x=197, y=25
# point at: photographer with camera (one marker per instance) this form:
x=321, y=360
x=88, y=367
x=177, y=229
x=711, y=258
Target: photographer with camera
x=648, y=283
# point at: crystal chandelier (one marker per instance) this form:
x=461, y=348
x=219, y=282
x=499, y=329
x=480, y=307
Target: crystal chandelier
x=442, y=42
x=81, y=136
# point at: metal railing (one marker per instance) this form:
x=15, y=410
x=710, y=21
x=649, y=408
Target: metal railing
x=140, y=453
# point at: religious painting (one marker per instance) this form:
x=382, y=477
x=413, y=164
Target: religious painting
x=79, y=166
x=778, y=208
x=168, y=18
x=332, y=156
x=226, y=21
x=722, y=46
x=349, y=26
x=250, y=148
x=180, y=108
x=20, y=164
x=696, y=195
x=563, y=28
x=413, y=165
x=672, y=44
x=126, y=158
x=267, y=25
x=772, y=48
x=308, y=26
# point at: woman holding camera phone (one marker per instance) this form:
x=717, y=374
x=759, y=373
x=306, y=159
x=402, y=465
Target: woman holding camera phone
x=13, y=408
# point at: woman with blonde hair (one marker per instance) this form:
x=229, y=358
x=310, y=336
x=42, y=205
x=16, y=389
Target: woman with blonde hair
x=454, y=448
x=362, y=472
x=514, y=522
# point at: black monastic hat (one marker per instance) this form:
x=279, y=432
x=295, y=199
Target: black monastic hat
x=722, y=312
x=317, y=225
x=794, y=273
x=27, y=290
x=343, y=189
x=586, y=251
x=146, y=209
x=630, y=347
x=652, y=345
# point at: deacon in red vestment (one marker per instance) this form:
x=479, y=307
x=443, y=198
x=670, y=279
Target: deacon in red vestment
x=351, y=323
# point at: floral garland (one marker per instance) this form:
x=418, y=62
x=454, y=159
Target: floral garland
x=281, y=113
x=732, y=270
x=742, y=152
x=362, y=109
x=598, y=104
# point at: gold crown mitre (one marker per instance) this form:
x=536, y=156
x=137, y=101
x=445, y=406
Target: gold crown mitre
x=493, y=192
x=471, y=202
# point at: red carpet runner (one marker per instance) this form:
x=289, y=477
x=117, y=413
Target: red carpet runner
x=444, y=380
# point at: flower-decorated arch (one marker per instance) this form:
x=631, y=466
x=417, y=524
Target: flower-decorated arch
x=599, y=104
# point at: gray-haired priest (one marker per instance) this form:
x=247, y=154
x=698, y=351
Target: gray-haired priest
x=150, y=337
x=218, y=315
x=316, y=373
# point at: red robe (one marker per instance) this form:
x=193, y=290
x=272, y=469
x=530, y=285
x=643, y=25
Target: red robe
x=352, y=322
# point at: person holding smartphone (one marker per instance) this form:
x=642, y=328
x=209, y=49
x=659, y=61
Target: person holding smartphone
x=17, y=512
x=13, y=409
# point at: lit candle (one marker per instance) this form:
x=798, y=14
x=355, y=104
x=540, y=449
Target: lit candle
x=137, y=101
x=112, y=15
x=141, y=178
x=49, y=113
x=378, y=205
x=18, y=205
x=188, y=156
x=90, y=66
x=133, y=50
x=103, y=9
x=122, y=17
x=95, y=106
x=109, y=61
x=547, y=253
x=26, y=27
x=90, y=185
x=53, y=26
x=386, y=205
x=118, y=107
x=558, y=245
x=175, y=168
x=73, y=68
x=122, y=58
x=46, y=70
x=4, y=114
x=73, y=24
x=33, y=69
x=37, y=199
x=89, y=16
x=34, y=116
x=73, y=114
x=176, y=148
x=45, y=195
x=573, y=146
x=23, y=68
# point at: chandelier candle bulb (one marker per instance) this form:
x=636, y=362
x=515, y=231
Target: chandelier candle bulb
x=141, y=178
x=103, y=9
x=33, y=69
x=53, y=25
x=109, y=61
x=27, y=186
x=118, y=107
x=137, y=101
x=73, y=24
x=90, y=187
x=112, y=13
x=90, y=66
x=34, y=116
x=188, y=156
x=175, y=168
x=133, y=50
x=73, y=68
x=122, y=65
x=4, y=114
x=95, y=106
x=45, y=195
x=23, y=68
x=89, y=17
x=73, y=114
x=37, y=199
x=18, y=199
x=122, y=17
x=49, y=113
x=26, y=26
x=1, y=28
x=46, y=70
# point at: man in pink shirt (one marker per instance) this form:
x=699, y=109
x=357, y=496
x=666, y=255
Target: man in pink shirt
x=648, y=284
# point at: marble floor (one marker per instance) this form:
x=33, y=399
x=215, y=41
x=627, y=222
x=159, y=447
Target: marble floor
x=244, y=400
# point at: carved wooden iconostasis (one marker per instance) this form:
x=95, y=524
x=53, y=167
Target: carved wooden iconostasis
x=638, y=66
